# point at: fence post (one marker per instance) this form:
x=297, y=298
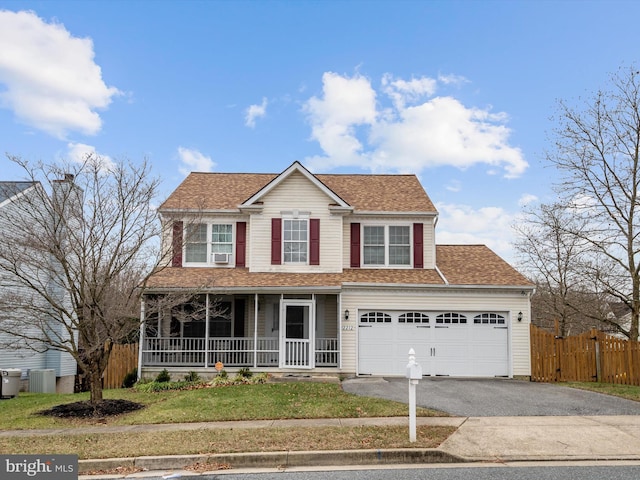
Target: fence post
x=598, y=363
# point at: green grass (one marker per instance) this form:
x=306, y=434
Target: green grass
x=630, y=392
x=238, y=402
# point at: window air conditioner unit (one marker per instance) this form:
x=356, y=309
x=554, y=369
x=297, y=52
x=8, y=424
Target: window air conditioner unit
x=221, y=258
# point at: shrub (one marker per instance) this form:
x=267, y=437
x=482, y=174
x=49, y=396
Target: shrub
x=130, y=378
x=163, y=376
x=245, y=372
x=222, y=374
x=192, y=377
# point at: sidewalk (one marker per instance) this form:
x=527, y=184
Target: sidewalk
x=477, y=439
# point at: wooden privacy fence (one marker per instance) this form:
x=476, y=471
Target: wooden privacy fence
x=593, y=356
x=122, y=360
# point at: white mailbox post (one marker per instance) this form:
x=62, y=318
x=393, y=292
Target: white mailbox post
x=414, y=374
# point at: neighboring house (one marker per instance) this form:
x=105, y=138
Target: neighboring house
x=14, y=353
x=329, y=274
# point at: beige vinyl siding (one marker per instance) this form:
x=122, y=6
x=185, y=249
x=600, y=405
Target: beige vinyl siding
x=296, y=193
x=428, y=234
x=455, y=300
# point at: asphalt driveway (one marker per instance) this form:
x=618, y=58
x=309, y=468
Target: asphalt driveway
x=472, y=397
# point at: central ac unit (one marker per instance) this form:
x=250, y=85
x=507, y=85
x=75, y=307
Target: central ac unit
x=42, y=381
x=221, y=257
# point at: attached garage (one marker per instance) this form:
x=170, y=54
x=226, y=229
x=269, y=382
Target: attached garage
x=447, y=343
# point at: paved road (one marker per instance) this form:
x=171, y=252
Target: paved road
x=470, y=397
x=475, y=472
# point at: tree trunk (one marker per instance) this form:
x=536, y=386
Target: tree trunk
x=95, y=387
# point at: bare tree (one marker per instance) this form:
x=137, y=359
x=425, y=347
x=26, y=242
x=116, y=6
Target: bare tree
x=552, y=259
x=76, y=250
x=597, y=151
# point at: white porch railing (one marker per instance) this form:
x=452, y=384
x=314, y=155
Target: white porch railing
x=234, y=352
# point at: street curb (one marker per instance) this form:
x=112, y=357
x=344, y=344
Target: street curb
x=277, y=459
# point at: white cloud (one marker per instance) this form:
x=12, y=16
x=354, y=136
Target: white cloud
x=254, y=112
x=527, y=199
x=346, y=104
x=454, y=186
x=463, y=224
x=50, y=79
x=194, y=161
x=416, y=132
x=80, y=152
x=402, y=91
x=452, y=79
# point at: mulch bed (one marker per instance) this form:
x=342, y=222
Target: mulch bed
x=85, y=409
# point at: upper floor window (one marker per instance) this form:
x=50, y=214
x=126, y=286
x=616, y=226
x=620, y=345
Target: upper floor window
x=196, y=243
x=208, y=243
x=221, y=238
x=386, y=245
x=295, y=240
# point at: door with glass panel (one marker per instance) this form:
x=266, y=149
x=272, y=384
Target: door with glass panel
x=297, y=332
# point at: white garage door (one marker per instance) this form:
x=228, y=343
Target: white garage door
x=446, y=343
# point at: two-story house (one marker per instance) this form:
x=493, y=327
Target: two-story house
x=19, y=202
x=328, y=274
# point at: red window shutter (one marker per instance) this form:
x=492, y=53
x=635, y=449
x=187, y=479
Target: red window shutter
x=355, y=245
x=418, y=245
x=276, y=241
x=314, y=241
x=176, y=245
x=241, y=244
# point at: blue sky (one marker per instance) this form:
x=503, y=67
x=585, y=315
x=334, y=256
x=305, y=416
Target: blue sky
x=461, y=93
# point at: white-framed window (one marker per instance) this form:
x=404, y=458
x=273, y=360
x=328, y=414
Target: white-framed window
x=386, y=245
x=221, y=238
x=195, y=237
x=206, y=242
x=295, y=240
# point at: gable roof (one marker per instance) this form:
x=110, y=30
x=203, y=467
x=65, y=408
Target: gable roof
x=362, y=192
x=295, y=167
x=11, y=189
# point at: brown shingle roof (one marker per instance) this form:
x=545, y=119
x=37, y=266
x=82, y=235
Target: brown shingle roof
x=225, y=191
x=460, y=264
x=476, y=265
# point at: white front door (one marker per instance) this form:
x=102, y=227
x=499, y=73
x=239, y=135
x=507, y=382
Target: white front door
x=297, y=327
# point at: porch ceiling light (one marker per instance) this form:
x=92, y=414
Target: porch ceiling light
x=346, y=314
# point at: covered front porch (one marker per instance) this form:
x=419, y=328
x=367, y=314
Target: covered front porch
x=263, y=331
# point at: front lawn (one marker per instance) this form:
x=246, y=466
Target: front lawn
x=237, y=402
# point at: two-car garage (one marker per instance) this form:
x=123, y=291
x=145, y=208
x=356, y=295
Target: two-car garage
x=474, y=344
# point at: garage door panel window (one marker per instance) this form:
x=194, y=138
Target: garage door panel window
x=375, y=317
x=413, y=317
x=451, y=318
x=489, y=319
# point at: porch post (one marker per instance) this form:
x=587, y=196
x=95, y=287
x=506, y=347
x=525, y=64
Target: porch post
x=141, y=340
x=255, y=330
x=339, y=332
x=206, y=332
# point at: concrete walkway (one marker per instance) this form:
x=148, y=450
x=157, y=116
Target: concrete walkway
x=546, y=438
x=477, y=439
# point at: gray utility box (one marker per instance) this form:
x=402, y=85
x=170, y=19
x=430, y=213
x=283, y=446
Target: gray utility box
x=42, y=381
x=9, y=382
